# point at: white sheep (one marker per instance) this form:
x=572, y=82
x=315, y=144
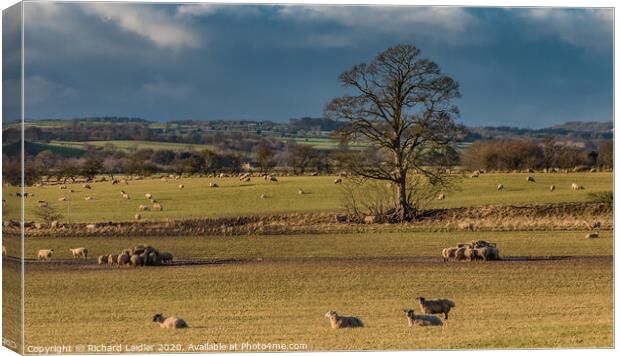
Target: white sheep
x=171, y=322
x=576, y=186
x=592, y=235
x=126, y=196
x=45, y=254
x=143, y=207
x=3, y=250
x=123, y=259
x=80, y=252
x=103, y=259
x=530, y=179
x=552, y=188
x=500, y=186
x=112, y=259
x=213, y=185
x=300, y=191
x=338, y=322
x=337, y=180
x=448, y=253
x=137, y=216
x=148, y=196
x=422, y=320
x=158, y=207
x=62, y=199
x=88, y=198
x=441, y=196
x=273, y=179
x=181, y=186
x=263, y=196
x=86, y=186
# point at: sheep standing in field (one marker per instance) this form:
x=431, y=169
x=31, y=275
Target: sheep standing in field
x=62, y=199
x=213, y=185
x=470, y=253
x=102, y=260
x=136, y=260
x=86, y=186
x=337, y=180
x=459, y=254
x=422, y=320
x=530, y=179
x=45, y=254
x=441, y=196
x=43, y=205
x=148, y=196
x=500, y=186
x=448, y=253
x=246, y=179
x=300, y=191
x=123, y=259
x=263, y=196
x=273, y=179
x=438, y=306
x=80, y=252
x=158, y=207
x=487, y=253
x=88, y=198
x=165, y=257
x=552, y=188
x=126, y=196
x=595, y=225
x=143, y=207
x=338, y=322
x=181, y=186
x=137, y=216
x=112, y=259
x=592, y=235
x=475, y=174
x=171, y=322
x=576, y=186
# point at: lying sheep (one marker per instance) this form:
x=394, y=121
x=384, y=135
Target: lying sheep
x=338, y=322
x=88, y=198
x=263, y=196
x=592, y=235
x=165, y=257
x=62, y=199
x=438, y=306
x=171, y=322
x=448, y=253
x=43, y=205
x=80, y=252
x=102, y=259
x=422, y=320
x=45, y=254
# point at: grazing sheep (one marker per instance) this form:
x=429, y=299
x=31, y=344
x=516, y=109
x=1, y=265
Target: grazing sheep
x=422, y=320
x=123, y=259
x=337, y=180
x=158, y=207
x=338, y=322
x=470, y=253
x=263, y=196
x=300, y=191
x=136, y=260
x=143, y=207
x=552, y=188
x=45, y=254
x=459, y=254
x=576, y=186
x=137, y=216
x=88, y=198
x=181, y=186
x=165, y=257
x=475, y=174
x=500, y=186
x=448, y=253
x=102, y=259
x=213, y=185
x=438, y=306
x=171, y=322
x=441, y=196
x=530, y=179
x=114, y=181
x=79, y=252
x=112, y=259
x=592, y=235
x=62, y=199
x=148, y=196
x=126, y=196
x=86, y=186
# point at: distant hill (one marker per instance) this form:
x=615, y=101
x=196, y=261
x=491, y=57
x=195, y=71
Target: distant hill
x=586, y=126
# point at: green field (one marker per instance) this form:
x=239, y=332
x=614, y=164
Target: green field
x=277, y=289
x=132, y=145
x=234, y=198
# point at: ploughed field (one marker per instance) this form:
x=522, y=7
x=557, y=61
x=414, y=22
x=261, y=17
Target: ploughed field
x=552, y=289
x=235, y=198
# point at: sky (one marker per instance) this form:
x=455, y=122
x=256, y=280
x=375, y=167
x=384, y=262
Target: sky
x=525, y=67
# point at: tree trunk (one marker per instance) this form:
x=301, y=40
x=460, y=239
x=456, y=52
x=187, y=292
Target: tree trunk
x=403, y=209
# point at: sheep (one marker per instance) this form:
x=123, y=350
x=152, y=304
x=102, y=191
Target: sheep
x=114, y=181
x=500, y=186
x=337, y=180
x=88, y=198
x=3, y=250
x=530, y=179
x=165, y=257
x=487, y=253
x=171, y=322
x=181, y=186
x=300, y=191
x=475, y=174
x=438, y=306
x=592, y=226
x=86, y=186
x=112, y=259
x=448, y=253
x=123, y=259
x=158, y=207
x=137, y=216
x=91, y=226
x=422, y=320
x=62, y=187
x=552, y=188
x=263, y=196
x=136, y=260
x=45, y=254
x=126, y=196
x=148, y=196
x=338, y=322
x=441, y=196
x=62, y=199
x=103, y=259
x=576, y=186
x=273, y=179
x=79, y=252
x=213, y=185
x=143, y=207
x=164, y=179
x=246, y=179
x=592, y=235
x=470, y=253
x=459, y=254
x=43, y=205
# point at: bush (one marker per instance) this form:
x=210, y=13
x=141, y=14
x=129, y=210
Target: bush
x=606, y=197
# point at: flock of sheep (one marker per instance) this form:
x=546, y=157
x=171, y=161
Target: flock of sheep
x=140, y=255
x=429, y=307
x=476, y=250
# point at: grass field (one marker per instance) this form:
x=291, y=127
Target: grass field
x=234, y=198
x=131, y=145
x=282, y=298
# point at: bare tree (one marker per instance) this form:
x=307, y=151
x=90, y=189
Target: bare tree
x=400, y=105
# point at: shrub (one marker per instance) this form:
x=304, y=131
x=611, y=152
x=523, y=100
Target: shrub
x=606, y=197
